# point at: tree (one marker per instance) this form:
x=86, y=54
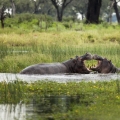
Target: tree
x=93, y=11
x=60, y=5
x=116, y=10
x=13, y=7
x=48, y=8
x=23, y=6
x=37, y=5
x=79, y=6
x=2, y=17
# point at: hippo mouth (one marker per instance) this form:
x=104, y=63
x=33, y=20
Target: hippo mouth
x=87, y=56
x=97, y=67
x=86, y=69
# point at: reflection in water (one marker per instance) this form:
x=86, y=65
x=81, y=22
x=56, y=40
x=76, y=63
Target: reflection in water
x=16, y=112
x=52, y=104
x=12, y=112
x=41, y=107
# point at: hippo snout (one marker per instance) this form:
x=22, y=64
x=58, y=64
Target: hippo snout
x=96, y=57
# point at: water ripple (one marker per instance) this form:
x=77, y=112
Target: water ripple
x=59, y=77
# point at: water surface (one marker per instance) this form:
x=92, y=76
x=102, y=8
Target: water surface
x=36, y=109
x=59, y=77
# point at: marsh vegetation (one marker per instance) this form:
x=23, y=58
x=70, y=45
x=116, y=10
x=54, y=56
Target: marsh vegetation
x=22, y=47
x=65, y=101
x=24, y=44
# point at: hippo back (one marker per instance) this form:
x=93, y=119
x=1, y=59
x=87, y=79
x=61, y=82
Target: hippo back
x=48, y=68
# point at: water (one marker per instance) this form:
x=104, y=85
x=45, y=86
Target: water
x=12, y=112
x=16, y=112
x=59, y=77
x=35, y=109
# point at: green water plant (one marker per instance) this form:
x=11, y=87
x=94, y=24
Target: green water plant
x=65, y=101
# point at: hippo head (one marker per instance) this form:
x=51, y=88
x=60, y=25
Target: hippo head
x=103, y=65
x=79, y=65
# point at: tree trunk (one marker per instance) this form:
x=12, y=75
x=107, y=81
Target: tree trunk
x=59, y=15
x=93, y=11
x=36, y=6
x=2, y=17
x=60, y=8
x=116, y=11
x=13, y=7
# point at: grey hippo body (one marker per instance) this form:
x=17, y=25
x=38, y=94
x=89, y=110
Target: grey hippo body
x=48, y=68
x=104, y=65
x=75, y=65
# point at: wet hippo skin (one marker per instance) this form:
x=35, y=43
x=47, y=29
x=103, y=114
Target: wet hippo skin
x=73, y=65
x=104, y=65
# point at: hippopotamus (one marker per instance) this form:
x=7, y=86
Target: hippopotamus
x=73, y=65
x=104, y=65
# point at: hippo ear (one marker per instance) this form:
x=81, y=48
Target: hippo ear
x=110, y=61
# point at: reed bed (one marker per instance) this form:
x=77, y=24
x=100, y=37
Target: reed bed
x=14, y=62
x=19, y=49
x=100, y=100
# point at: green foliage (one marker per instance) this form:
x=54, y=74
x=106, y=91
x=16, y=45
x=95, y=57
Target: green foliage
x=49, y=88
x=68, y=19
x=11, y=92
x=65, y=101
x=67, y=25
x=3, y=50
x=27, y=20
x=21, y=47
x=25, y=17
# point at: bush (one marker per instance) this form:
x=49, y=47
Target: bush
x=68, y=24
x=68, y=19
x=28, y=19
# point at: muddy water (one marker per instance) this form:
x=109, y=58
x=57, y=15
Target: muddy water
x=59, y=77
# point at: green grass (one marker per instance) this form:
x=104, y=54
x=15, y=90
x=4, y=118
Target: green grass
x=56, y=46
x=85, y=100
x=57, y=43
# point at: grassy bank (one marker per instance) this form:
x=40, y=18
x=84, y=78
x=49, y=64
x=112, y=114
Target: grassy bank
x=65, y=101
x=22, y=47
